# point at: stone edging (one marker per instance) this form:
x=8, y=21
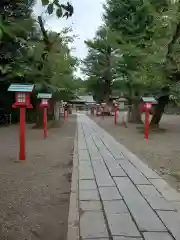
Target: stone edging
x=73, y=218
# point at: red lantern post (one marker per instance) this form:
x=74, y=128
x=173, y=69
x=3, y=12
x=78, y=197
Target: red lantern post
x=147, y=106
x=22, y=102
x=115, y=112
x=44, y=105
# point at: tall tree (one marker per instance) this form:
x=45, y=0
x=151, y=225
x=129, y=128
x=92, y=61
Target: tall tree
x=100, y=64
x=143, y=30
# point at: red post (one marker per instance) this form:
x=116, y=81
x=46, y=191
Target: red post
x=115, y=114
x=146, y=130
x=22, y=134
x=45, y=122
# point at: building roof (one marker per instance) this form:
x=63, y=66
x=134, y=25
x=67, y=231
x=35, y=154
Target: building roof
x=87, y=99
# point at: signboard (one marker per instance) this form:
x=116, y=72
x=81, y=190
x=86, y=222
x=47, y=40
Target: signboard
x=21, y=88
x=44, y=95
x=149, y=99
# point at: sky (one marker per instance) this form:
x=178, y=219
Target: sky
x=85, y=21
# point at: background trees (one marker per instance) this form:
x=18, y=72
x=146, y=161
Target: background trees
x=144, y=43
x=31, y=54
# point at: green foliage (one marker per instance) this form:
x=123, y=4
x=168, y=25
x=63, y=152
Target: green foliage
x=29, y=53
x=60, y=9
x=144, y=41
x=100, y=64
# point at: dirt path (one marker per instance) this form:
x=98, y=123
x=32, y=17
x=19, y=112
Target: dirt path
x=34, y=195
x=160, y=152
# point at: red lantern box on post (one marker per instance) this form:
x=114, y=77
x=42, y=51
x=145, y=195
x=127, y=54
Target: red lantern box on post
x=44, y=105
x=115, y=112
x=146, y=107
x=22, y=102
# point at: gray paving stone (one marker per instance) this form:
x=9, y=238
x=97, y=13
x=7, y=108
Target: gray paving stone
x=88, y=195
x=85, y=171
x=84, y=164
x=92, y=225
x=102, y=175
x=83, y=155
x=99, y=160
x=172, y=222
x=122, y=224
x=142, y=167
x=114, y=168
x=168, y=192
x=109, y=193
x=176, y=206
x=136, y=176
x=157, y=235
x=81, y=143
x=82, y=147
x=87, y=185
x=145, y=217
x=96, y=239
x=154, y=198
x=113, y=148
x=117, y=154
x=104, y=181
x=106, y=154
x=117, y=206
x=90, y=206
x=127, y=238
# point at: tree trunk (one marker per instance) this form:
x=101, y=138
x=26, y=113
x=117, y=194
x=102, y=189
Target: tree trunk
x=159, y=110
x=39, y=117
x=136, y=114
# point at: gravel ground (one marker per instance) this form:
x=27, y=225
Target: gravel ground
x=34, y=194
x=161, y=151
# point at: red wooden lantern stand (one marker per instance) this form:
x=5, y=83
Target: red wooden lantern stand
x=22, y=102
x=115, y=112
x=147, y=107
x=44, y=105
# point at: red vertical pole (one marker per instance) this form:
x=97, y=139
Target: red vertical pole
x=146, y=130
x=22, y=134
x=45, y=122
x=115, y=115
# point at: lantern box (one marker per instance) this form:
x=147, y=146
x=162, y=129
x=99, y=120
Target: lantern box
x=44, y=99
x=115, y=105
x=147, y=103
x=22, y=95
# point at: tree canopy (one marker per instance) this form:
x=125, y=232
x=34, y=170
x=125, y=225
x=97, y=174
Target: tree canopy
x=144, y=40
x=30, y=53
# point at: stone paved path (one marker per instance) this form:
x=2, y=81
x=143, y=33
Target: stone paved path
x=114, y=195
